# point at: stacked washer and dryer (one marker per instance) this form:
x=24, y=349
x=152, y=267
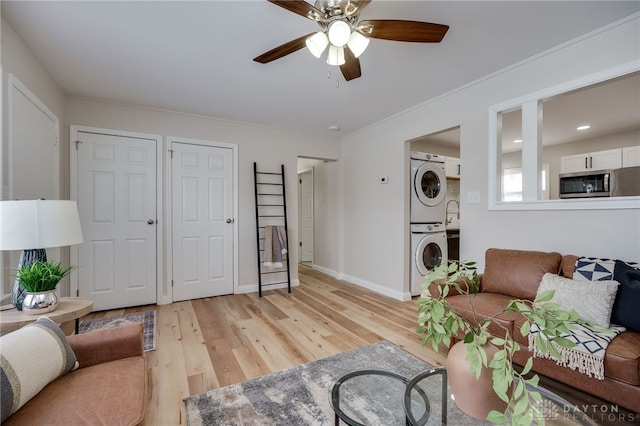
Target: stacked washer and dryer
x=428, y=216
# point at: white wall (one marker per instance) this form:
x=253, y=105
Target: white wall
x=326, y=210
x=376, y=234
x=269, y=147
x=17, y=59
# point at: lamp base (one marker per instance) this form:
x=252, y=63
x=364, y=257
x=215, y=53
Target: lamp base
x=26, y=259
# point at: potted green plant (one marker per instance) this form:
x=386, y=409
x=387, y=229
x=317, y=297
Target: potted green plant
x=40, y=280
x=486, y=355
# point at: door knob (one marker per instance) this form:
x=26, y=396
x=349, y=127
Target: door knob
x=229, y=220
x=150, y=222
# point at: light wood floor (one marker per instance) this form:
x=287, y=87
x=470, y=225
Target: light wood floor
x=208, y=343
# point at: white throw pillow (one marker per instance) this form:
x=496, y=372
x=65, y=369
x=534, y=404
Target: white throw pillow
x=592, y=300
x=32, y=357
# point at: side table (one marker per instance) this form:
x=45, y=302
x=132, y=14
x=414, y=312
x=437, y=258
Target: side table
x=423, y=409
x=70, y=308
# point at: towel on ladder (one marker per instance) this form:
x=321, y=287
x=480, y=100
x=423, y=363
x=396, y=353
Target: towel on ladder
x=275, y=245
x=268, y=247
x=282, y=237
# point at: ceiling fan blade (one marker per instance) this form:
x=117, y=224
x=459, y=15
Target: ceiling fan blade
x=353, y=7
x=399, y=30
x=351, y=67
x=282, y=50
x=299, y=7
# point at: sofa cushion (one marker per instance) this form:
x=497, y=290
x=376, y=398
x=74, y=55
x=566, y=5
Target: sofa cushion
x=517, y=273
x=32, y=357
x=625, y=308
x=568, y=265
x=622, y=361
x=592, y=300
x=111, y=393
x=107, y=344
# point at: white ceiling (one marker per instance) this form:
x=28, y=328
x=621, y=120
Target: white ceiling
x=196, y=57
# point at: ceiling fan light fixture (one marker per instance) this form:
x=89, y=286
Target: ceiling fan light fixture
x=339, y=33
x=336, y=56
x=317, y=43
x=357, y=43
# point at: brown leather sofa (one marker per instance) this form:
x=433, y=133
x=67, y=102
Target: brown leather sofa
x=511, y=274
x=107, y=389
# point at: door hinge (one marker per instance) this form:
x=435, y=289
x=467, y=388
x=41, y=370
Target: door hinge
x=78, y=292
x=77, y=142
x=171, y=283
x=300, y=181
x=300, y=243
x=171, y=153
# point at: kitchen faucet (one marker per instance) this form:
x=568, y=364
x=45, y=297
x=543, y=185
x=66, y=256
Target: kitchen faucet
x=449, y=220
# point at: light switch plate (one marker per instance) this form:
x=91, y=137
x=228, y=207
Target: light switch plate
x=473, y=197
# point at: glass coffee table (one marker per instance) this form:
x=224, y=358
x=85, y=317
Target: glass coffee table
x=359, y=397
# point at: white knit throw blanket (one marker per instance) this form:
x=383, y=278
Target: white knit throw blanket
x=587, y=356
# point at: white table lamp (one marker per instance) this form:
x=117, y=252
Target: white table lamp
x=33, y=226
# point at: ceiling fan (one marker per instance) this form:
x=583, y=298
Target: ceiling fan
x=346, y=35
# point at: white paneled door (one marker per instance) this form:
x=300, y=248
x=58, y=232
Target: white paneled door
x=116, y=194
x=203, y=220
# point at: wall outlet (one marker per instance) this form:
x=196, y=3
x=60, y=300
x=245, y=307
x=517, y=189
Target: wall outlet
x=473, y=197
x=384, y=179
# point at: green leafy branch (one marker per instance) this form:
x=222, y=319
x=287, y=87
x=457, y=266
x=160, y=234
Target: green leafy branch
x=439, y=323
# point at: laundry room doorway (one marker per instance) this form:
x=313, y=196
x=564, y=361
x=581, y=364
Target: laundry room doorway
x=446, y=143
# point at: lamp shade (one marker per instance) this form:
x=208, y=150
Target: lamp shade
x=339, y=33
x=335, y=56
x=317, y=43
x=357, y=43
x=38, y=224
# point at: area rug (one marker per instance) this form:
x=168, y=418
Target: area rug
x=147, y=318
x=300, y=395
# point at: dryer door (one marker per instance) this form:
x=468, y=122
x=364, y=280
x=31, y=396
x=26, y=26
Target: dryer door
x=430, y=184
x=431, y=251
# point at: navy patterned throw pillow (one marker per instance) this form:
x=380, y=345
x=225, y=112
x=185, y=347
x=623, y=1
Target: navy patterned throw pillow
x=593, y=269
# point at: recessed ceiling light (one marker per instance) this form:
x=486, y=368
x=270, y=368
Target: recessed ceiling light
x=334, y=128
x=517, y=141
x=585, y=127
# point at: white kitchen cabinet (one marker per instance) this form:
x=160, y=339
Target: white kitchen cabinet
x=452, y=167
x=599, y=160
x=631, y=156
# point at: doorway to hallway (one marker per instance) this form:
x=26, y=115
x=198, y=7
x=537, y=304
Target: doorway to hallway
x=318, y=213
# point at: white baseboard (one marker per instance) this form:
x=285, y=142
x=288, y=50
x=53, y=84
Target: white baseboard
x=402, y=296
x=324, y=270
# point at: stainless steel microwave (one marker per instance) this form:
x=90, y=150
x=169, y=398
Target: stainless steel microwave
x=601, y=183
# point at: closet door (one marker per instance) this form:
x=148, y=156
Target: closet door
x=202, y=220
x=116, y=193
